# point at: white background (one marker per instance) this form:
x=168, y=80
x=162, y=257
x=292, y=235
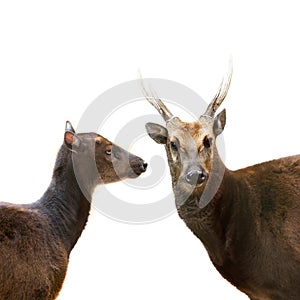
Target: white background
x=56, y=57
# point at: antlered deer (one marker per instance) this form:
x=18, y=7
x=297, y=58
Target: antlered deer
x=249, y=219
x=36, y=239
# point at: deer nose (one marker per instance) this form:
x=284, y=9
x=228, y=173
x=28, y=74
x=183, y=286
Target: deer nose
x=138, y=165
x=195, y=177
x=144, y=166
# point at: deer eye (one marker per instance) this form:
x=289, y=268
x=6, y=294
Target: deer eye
x=108, y=152
x=174, y=146
x=207, y=142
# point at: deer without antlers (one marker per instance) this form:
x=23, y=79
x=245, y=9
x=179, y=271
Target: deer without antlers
x=249, y=219
x=36, y=239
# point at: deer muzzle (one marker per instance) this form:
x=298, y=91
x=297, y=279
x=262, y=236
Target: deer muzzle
x=138, y=165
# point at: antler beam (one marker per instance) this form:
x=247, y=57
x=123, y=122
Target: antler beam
x=221, y=94
x=157, y=103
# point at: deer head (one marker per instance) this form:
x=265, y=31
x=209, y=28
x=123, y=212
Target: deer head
x=190, y=146
x=112, y=162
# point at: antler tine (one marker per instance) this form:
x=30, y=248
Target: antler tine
x=156, y=102
x=221, y=94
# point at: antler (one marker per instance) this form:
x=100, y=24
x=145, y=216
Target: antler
x=221, y=94
x=156, y=102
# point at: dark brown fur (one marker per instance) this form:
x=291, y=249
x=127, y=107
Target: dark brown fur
x=36, y=239
x=33, y=260
x=251, y=229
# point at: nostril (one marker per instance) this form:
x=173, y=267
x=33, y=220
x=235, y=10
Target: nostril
x=196, y=177
x=202, y=176
x=144, y=166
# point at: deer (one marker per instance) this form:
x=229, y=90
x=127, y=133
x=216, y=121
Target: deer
x=247, y=219
x=36, y=239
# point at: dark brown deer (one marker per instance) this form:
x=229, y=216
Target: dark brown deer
x=36, y=239
x=249, y=219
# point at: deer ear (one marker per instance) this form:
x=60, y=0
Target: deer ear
x=219, y=122
x=70, y=138
x=157, y=132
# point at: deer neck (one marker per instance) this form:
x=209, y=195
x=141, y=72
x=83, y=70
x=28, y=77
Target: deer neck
x=213, y=224
x=65, y=203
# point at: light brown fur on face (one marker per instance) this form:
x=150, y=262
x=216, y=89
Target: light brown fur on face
x=94, y=152
x=191, y=153
x=114, y=163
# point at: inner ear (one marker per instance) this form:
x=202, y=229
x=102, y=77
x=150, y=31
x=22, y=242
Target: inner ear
x=69, y=138
x=157, y=132
x=72, y=140
x=219, y=122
